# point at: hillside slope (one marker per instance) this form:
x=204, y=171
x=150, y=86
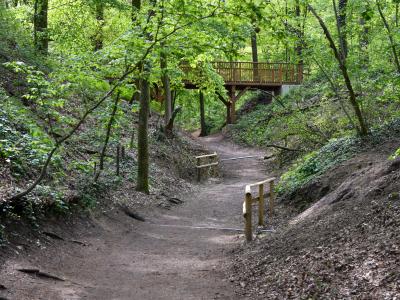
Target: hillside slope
x=344, y=246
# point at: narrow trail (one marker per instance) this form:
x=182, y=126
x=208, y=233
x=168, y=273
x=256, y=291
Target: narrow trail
x=125, y=259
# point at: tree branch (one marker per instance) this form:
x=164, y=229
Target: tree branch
x=108, y=133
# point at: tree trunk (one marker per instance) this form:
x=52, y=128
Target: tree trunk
x=363, y=128
x=41, y=39
x=98, y=38
x=107, y=138
x=364, y=42
x=342, y=24
x=254, y=52
x=299, y=42
x=203, y=124
x=390, y=36
x=254, y=46
x=143, y=143
x=166, y=86
x=136, y=4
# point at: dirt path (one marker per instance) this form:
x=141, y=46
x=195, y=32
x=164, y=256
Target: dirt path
x=126, y=259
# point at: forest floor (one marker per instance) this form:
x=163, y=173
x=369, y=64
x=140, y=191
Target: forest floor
x=112, y=256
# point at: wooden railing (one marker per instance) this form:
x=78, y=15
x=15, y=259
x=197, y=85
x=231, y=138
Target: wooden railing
x=212, y=161
x=248, y=203
x=256, y=73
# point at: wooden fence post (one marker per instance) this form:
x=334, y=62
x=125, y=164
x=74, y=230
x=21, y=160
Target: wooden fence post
x=123, y=152
x=118, y=158
x=261, y=205
x=198, y=169
x=248, y=216
x=271, y=199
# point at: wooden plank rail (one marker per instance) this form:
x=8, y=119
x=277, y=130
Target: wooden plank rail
x=212, y=161
x=249, y=200
x=261, y=73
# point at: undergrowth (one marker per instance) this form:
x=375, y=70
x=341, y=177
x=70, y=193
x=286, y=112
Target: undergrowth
x=313, y=164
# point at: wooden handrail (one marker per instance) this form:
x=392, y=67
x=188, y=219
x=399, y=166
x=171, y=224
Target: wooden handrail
x=249, y=200
x=207, y=165
x=249, y=186
x=206, y=155
x=256, y=73
x=211, y=163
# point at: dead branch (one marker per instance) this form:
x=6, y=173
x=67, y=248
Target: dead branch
x=282, y=148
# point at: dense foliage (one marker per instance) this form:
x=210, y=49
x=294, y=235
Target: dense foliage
x=75, y=74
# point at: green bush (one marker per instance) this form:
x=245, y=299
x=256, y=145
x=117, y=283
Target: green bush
x=336, y=151
x=315, y=163
x=23, y=144
x=396, y=154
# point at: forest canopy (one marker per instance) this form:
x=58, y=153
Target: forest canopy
x=103, y=62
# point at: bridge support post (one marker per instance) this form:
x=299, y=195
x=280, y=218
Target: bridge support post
x=203, y=131
x=232, y=105
x=229, y=113
x=277, y=91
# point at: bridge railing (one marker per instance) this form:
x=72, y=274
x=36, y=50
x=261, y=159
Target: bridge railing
x=256, y=73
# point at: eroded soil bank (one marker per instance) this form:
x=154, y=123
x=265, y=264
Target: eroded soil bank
x=345, y=245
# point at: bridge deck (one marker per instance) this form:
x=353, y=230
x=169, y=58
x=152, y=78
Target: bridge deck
x=261, y=75
x=242, y=76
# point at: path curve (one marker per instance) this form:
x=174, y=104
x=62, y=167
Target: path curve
x=125, y=259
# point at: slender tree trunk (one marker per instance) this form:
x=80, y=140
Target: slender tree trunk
x=364, y=42
x=203, y=124
x=254, y=52
x=143, y=143
x=299, y=42
x=286, y=26
x=342, y=25
x=254, y=46
x=61, y=141
x=363, y=128
x=41, y=39
x=390, y=36
x=166, y=86
x=98, y=38
x=107, y=138
x=336, y=91
x=136, y=4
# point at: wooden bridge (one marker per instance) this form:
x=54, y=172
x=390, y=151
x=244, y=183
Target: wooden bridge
x=239, y=77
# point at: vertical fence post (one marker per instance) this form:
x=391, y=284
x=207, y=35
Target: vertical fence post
x=299, y=73
x=214, y=160
x=248, y=215
x=118, y=158
x=198, y=169
x=123, y=152
x=273, y=69
x=271, y=198
x=210, y=169
x=261, y=205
